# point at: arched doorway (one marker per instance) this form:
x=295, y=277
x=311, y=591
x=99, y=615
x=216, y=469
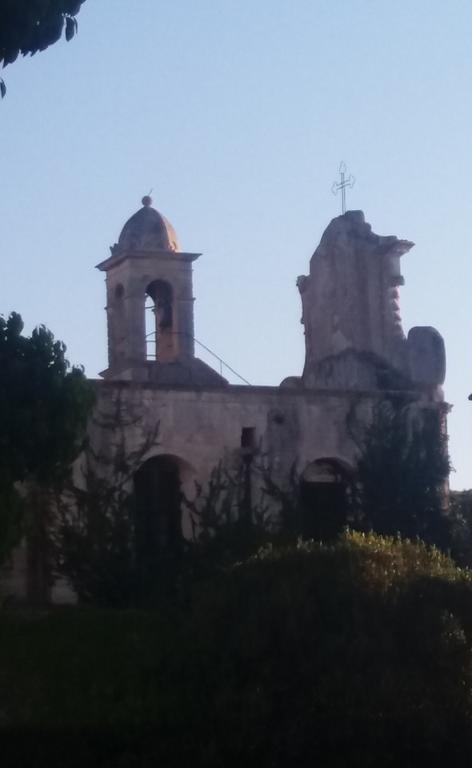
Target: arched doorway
x=158, y=517
x=324, y=499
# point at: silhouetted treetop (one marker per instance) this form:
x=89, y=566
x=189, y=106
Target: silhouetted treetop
x=29, y=26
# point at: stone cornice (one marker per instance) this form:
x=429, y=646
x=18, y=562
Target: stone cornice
x=118, y=257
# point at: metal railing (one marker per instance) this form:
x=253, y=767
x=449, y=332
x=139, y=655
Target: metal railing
x=151, y=339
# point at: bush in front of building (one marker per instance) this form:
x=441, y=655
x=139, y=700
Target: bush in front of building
x=357, y=653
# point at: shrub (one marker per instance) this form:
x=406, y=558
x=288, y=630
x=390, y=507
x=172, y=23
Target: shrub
x=359, y=652
x=355, y=654
x=401, y=473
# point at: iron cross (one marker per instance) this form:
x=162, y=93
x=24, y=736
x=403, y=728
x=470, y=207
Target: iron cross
x=348, y=181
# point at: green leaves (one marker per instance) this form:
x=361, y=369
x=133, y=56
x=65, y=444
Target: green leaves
x=44, y=407
x=29, y=26
x=71, y=27
x=402, y=468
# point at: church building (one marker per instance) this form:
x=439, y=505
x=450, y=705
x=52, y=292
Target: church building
x=356, y=354
x=157, y=400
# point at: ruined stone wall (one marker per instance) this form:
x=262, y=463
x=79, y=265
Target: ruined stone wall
x=351, y=315
x=202, y=427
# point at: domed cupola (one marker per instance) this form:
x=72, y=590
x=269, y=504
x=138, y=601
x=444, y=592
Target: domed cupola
x=147, y=230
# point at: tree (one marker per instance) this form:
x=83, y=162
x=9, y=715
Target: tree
x=228, y=524
x=44, y=407
x=29, y=26
x=95, y=535
x=401, y=473
x=460, y=514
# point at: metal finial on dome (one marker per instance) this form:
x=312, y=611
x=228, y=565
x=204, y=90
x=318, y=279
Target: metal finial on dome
x=147, y=201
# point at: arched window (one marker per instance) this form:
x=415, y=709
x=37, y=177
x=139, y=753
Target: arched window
x=324, y=489
x=159, y=314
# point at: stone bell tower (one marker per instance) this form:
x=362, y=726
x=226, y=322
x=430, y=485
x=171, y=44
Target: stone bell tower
x=150, y=306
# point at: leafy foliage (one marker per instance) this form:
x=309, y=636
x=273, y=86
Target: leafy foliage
x=96, y=537
x=401, y=473
x=460, y=515
x=29, y=26
x=357, y=654
x=44, y=407
x=227, y=526
x=96, y=533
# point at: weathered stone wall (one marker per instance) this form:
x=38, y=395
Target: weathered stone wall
x=199, y=426
x=202, y=427
x=351, y=314
x=350, y=298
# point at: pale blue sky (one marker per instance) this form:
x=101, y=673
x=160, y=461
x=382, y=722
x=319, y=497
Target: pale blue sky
x=238, y=112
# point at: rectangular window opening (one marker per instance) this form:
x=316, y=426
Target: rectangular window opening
x=248, y=437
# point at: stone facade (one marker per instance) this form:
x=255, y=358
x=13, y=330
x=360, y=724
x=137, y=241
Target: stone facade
x=356, y=354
